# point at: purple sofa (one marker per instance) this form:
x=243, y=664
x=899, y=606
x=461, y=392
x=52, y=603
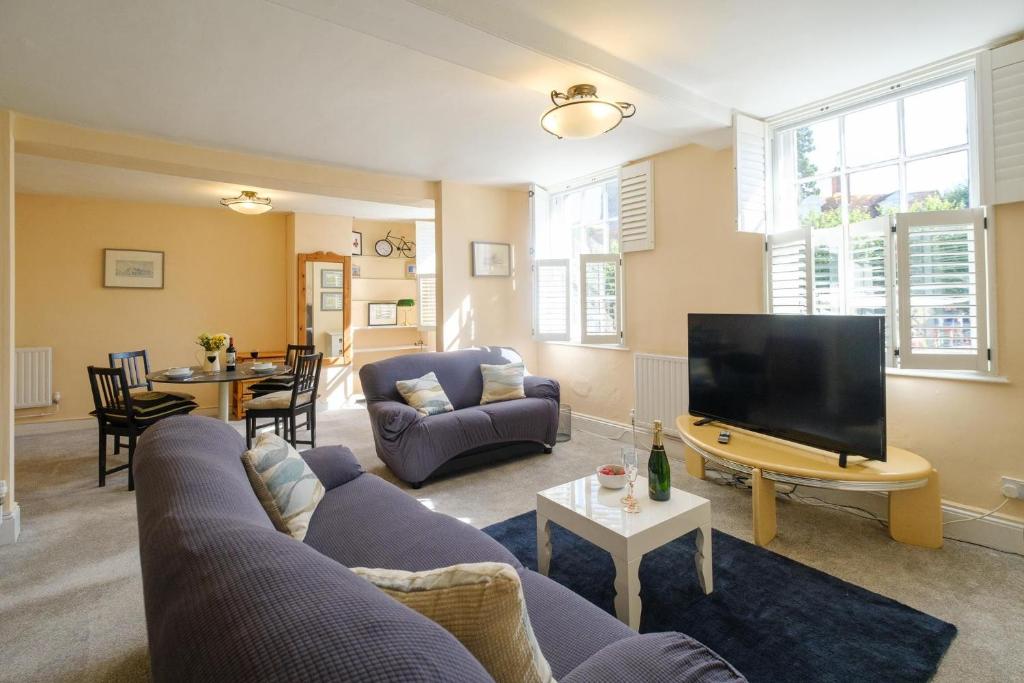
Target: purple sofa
x=415, y=447
x=229, y=598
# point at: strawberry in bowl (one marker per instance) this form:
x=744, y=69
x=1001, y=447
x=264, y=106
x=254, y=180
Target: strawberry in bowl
x=612, y=476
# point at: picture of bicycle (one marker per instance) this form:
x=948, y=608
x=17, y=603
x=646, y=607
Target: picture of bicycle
x=386, y=247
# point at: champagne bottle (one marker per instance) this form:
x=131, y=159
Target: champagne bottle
x=659, y=477
x=230, y=355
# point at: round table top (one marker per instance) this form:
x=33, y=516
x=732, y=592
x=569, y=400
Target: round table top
x=200, y=376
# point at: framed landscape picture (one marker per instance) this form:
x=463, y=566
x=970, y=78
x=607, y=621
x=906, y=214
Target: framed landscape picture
x=332, y=301
x=382, y=315
x=332, y=279
x=492, y=259
x=133, y=268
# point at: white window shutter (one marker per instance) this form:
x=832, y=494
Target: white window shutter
x=427, y=304
x=551, y=299
x=942, y=290
x=636, y=207
x=870, y=289
x=790, y=271
x=750, y=160
x=1001, y=113
x=600, y=299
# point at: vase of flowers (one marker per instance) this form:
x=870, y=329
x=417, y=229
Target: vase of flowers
x=211, y=345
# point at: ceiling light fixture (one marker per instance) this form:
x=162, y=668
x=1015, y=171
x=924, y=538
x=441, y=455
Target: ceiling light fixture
x=248, y=203
x=580, y=113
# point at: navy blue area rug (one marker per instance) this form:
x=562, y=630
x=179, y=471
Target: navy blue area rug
x=773, y=618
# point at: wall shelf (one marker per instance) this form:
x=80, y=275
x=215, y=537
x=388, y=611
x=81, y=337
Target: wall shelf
x=400, y=347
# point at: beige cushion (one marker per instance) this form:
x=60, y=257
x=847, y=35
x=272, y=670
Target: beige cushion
x=283, y=483
x=278, y=399
x=482, y=605
x=502, y=382
x=425, y=394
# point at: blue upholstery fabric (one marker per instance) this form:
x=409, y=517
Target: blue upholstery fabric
x=414, y=446
x=654, y=658
x=228, y=598
x=333, y=465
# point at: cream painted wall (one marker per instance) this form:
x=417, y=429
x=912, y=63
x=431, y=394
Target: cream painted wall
x=484, y=311
x=700, y=264
x=223, y=273
x=308, y=233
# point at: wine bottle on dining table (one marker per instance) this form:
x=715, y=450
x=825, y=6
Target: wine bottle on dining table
x=659, y=477
x=230, y=355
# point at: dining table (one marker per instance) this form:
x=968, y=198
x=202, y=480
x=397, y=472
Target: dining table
x=223, y=379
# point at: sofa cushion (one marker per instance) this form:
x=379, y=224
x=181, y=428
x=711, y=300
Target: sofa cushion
x=370, y=523
x=654, y=657
x=482, y=605
x=332, y=465
x=284, y=484
x=425, y=394
x=502, y=382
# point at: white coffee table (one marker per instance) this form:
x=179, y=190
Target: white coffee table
x=595, y=513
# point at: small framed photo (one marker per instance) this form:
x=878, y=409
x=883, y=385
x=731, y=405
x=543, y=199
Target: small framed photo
x=410, y=269
x=382, y=315
x=132, y=268
x=492, y=259
x=357, y=243
x=332, y=301
x=332, y=279
x=357, y=270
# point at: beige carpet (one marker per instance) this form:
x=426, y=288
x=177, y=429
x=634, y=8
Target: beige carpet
x=71, y=598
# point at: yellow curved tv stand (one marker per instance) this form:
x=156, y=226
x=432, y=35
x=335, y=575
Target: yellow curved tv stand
x=915, y=508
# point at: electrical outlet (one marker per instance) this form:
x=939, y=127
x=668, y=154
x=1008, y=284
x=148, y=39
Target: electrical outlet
x=1013, y=488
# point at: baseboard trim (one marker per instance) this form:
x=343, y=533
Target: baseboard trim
x=10, y=526
x=997, y=531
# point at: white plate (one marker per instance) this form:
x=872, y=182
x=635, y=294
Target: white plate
x=262, y=370
x=179, y=372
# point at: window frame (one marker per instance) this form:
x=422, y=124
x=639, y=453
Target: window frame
x=962, y=71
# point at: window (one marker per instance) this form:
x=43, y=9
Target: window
x=426, y=274
x=874, y=212
x=577, y=263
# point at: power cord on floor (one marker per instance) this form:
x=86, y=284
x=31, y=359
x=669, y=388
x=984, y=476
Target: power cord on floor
x=981, y=516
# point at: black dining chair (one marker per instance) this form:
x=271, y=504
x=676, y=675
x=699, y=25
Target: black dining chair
x=287, y=405
x=136, y=370
x=124, y=415
x=282, y=382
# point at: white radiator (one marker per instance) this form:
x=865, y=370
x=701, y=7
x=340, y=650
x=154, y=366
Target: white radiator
x=33, y=377
x=662, y=389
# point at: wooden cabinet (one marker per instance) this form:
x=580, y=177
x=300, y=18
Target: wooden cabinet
x=240, y=390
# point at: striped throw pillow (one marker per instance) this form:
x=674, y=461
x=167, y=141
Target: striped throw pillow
x=482, y=605
x=425, y=394
x=502, y=382
x=283, y=483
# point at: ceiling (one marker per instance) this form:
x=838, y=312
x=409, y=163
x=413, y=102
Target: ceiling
x=41, y=175
x=454, y=89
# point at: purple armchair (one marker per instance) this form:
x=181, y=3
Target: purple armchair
x=415, y=447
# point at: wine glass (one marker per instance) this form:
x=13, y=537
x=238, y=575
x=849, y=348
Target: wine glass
x=631, y=464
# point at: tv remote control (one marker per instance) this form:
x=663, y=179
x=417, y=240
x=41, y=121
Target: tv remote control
x=724, y=436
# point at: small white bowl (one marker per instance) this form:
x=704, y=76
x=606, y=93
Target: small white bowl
x=263, y=367
x=178, y=372
x=612, y=481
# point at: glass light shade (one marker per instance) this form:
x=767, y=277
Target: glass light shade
x=581, y=118
x=248, y=203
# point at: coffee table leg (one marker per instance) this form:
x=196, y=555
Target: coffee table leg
x=543, y=545
x=627, y=592
x=703, y=558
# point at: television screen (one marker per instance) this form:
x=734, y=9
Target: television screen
x=814, y=379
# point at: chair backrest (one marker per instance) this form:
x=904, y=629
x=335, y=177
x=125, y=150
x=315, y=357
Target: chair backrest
x=110, y=392
x=296, y=350
x=129, y=361
x=307, y=375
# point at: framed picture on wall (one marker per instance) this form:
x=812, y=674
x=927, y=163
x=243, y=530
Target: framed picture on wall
x=332, y=301
x=357, y=270
x=492, y=259
x=133, y=268
x=357, y=243
x=382, y=315
x=410, y=269
x=332, y=279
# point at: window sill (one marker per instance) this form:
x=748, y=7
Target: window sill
x=957, y=375
x=606, y=347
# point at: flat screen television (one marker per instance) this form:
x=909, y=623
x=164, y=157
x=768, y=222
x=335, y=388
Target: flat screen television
x=814, y=379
